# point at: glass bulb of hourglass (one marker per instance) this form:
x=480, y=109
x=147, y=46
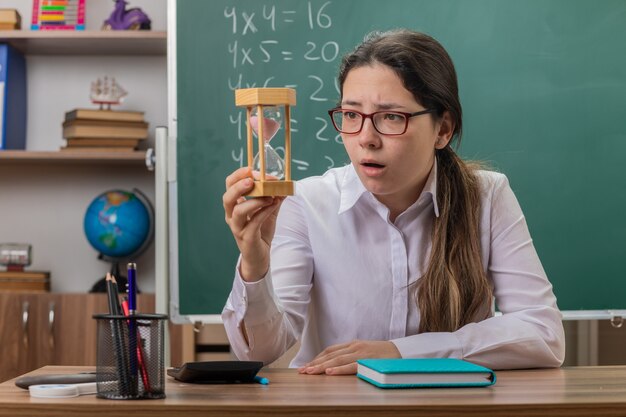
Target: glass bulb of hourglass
x=272, y=121
x=273, y=163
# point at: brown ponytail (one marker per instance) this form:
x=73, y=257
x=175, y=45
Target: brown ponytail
x=454, y=290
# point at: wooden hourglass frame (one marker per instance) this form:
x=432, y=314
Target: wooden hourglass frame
x=260, y=97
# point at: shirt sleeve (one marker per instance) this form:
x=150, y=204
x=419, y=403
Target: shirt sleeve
x=529, y=332
x=273, y=316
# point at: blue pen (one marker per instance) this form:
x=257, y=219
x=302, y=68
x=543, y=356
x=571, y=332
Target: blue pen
x=132, y=329
x=132, y=288
x=261, y=380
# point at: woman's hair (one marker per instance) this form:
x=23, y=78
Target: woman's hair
x=454, y=290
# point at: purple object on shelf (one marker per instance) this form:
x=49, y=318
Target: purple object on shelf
x=122, y=19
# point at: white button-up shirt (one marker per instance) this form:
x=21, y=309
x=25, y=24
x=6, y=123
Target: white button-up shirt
x=341, y=270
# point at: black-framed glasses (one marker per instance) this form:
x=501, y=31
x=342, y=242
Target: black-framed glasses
x=390, y=123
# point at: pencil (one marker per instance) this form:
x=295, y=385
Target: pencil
x=116, y=336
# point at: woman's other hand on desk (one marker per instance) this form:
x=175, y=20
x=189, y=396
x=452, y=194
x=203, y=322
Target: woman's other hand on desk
x=252, y=222
x=341, y=359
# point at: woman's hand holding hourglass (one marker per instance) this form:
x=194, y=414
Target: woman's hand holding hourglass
x=252, y=222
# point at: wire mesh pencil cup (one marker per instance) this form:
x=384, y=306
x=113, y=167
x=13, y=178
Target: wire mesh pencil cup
x=130, y=358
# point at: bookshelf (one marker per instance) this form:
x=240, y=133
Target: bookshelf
x=94, y=42
x=46, y=191
x=135, y=158
x=44, y=182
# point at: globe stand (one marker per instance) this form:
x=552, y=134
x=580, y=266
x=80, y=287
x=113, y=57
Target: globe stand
x=122, y=281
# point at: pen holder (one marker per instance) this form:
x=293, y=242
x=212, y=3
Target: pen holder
x=130, y=359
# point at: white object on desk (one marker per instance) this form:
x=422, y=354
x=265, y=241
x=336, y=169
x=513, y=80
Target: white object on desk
x=62, y=390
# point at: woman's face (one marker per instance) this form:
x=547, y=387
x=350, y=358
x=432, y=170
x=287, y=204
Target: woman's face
x=393, y=168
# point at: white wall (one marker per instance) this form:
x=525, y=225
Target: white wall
x=57, y=84
x=44, y=204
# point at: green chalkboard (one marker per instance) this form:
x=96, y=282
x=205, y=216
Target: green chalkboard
x=542, y=83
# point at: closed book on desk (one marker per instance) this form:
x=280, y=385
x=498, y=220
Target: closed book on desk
x=12, y=98
x=413, y=373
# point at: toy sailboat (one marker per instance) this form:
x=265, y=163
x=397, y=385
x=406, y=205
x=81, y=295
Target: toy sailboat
x=106, y=93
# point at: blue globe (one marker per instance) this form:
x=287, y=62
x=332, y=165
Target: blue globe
x=118, y=224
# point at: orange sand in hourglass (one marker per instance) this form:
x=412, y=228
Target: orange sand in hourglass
x=270, y=127
x=267, y=102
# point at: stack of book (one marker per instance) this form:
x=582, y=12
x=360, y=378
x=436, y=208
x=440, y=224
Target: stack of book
x=103, y=130
x=10, y=19
x=26, y=281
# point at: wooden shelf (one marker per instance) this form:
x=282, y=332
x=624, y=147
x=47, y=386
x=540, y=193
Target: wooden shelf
x=74, y=157
x=92, y=42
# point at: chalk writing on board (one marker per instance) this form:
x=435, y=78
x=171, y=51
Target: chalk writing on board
x=267, y=36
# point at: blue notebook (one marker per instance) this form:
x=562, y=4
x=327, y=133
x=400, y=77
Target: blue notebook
x=412, y=373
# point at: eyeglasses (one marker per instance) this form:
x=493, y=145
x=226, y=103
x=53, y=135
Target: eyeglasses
x=385, y=122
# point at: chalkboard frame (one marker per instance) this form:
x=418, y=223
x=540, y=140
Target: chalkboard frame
x=172, y=188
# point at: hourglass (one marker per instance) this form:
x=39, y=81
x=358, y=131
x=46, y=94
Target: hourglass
x=272, y=121
x=264, y=116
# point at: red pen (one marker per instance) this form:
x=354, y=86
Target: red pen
x=142, y=365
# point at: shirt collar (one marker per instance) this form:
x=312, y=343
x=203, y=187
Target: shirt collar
x=352, y=189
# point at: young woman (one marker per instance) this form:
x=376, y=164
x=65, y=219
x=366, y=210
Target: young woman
x=402, y=252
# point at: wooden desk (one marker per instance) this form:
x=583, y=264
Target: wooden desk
x=567, y=392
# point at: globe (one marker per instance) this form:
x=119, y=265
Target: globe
x=119, y=224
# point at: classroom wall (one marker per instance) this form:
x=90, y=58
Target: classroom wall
x=44, y=204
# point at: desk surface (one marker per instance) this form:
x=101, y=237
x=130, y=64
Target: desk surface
x=576, y=391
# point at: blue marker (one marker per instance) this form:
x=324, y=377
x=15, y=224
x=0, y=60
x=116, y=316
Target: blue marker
x=261, y=380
